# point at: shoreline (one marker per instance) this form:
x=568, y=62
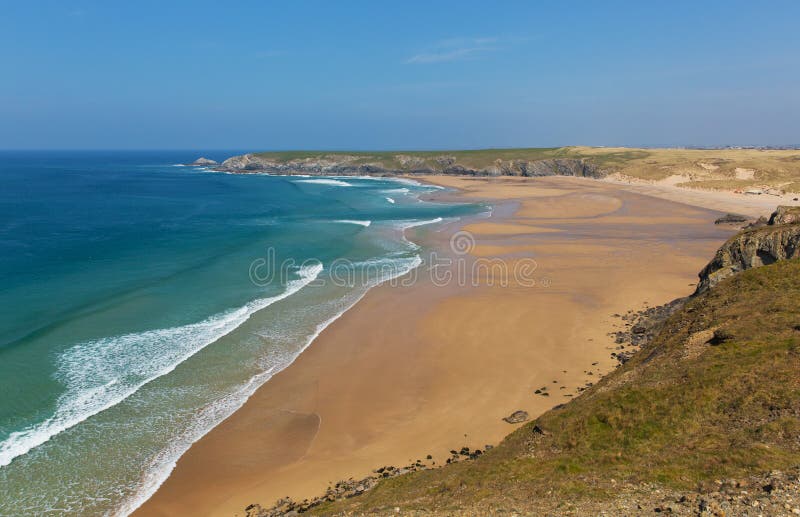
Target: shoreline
x=158, y=478
x=305, y=428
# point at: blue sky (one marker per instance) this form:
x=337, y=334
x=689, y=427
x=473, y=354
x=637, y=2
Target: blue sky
x=397, y=75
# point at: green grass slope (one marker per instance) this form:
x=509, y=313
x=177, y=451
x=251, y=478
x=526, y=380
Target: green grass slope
x=687, y=410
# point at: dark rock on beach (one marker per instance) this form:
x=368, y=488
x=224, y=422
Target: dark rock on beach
x=516, y=417
x=731, y=219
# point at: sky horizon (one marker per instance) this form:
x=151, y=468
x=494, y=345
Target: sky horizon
x=92, y=75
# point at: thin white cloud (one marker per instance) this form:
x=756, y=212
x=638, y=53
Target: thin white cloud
x=455, y=49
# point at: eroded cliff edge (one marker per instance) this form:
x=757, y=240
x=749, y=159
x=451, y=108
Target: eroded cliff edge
x=760, y=245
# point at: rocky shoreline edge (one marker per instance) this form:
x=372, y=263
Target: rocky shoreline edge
x=351, y=165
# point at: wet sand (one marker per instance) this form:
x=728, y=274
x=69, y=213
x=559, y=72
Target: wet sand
x=424, y=368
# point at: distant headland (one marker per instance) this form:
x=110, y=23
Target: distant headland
x=742, y=170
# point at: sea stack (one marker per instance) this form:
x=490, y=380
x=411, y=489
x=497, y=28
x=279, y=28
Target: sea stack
x=202, y=161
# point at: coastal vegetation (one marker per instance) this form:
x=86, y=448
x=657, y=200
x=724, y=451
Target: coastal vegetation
x=724, y=169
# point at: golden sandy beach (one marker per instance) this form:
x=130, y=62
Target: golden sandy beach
x=422, y=369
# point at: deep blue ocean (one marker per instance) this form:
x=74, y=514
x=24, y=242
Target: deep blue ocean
x=142, y=302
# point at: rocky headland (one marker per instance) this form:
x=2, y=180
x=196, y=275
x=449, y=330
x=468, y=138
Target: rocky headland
x=355, y=164
x=762, y=243
x=747, y=172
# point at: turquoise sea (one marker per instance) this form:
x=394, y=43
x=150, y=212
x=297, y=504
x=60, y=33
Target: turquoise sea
x=142, y=302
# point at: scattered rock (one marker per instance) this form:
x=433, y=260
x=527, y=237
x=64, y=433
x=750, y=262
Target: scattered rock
x=758, y=223
x=517, y=416
x=731, y=219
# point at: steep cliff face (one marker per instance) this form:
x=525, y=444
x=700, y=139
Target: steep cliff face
x=785, y=215
x=755, y=247
x=344, y=164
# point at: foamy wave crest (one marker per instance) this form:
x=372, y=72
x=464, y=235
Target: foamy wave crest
x=353, y=221
x=102, y=373
x=390, y=200
x=405, y=225
x=402, y=190
x=326, y=181
x=387, y=269
x=415, y=183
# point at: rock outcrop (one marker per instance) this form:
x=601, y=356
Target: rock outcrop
x=785, y=215
x=516, y=417
x=344, y=164
x=755, y=247
x=202, y=161
x=731, y=219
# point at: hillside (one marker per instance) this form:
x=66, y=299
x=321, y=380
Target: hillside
x=726, y=169
x=705, y=417
x=686, y=411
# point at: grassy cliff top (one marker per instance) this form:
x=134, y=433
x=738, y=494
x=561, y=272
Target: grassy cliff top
x=685, y=411
x=714, y=169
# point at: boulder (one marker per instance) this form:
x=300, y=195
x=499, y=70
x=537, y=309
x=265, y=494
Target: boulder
x=731, y=219
x=720, y=336
x=516, y=417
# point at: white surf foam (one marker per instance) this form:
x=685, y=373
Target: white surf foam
x=102, y=373
x=405, y=225
x=409, y=181
x=389, y=268
x=353, y=221
x=396, y=191
x=390, y=200
x=326, y=181
x=210, y=416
